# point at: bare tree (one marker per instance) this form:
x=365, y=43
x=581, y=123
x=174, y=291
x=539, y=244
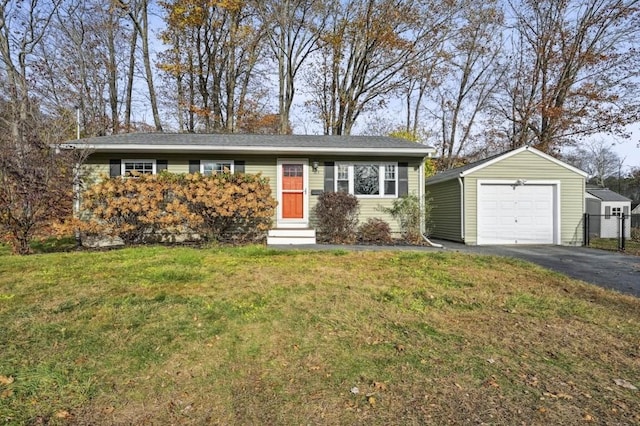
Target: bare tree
x=365, y=48
x=82, y=64
x=293, y=28
x=472, y=68
x=35, y=181
x=215, y=49
x=597, y=158
x=575, y=69
x=138, y=12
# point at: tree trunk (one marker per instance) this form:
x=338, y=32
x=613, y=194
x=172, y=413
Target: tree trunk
x=130, y=75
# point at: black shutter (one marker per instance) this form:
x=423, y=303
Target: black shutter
x=115, y=168
x=238, y=166
x=161, y=165
x=194, y=166
x=329, y=175
x=403, y=179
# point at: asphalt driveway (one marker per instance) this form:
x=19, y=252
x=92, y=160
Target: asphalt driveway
x=612, y=270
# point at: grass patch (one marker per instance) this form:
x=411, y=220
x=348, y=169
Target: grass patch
x=252, y=335
x=611, y=244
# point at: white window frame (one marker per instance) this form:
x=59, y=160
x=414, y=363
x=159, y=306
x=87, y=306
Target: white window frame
x=231, y=162
x=137, y=160
x=382, y=174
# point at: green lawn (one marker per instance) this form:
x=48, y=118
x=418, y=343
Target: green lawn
x=160, y=335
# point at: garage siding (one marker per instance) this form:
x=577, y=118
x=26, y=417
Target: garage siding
x=529, y=166
x=445, y=211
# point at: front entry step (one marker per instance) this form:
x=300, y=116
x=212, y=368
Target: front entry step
x=291, y=236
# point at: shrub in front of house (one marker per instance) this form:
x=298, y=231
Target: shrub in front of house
x=337, y=217
x=134, y=208
x=375, y=231
x=406, y=210
x=232, y=207
x=222, y=207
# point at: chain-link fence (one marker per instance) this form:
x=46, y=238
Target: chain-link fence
x=612, y=228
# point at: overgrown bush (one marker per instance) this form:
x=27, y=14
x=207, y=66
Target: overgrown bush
x=375, y=231
x=233, y=207
x=406, y=210
x=635, y=234
x=221, y=207
x=337, y=216
x=133, y=208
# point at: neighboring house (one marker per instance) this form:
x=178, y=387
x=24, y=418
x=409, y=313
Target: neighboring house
x=377, y=170
x=605, y=209
x=522, y=196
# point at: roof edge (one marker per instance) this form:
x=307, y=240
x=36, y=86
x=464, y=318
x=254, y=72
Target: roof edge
x=422, y=151
x=518, y=151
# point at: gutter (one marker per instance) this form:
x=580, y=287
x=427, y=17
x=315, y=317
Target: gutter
x=246, y=149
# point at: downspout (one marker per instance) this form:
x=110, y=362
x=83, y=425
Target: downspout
x=421, y=192
x=461, y=207
x=76, y=203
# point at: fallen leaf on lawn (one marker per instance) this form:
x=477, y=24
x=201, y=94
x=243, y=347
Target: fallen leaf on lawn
x=400, y=348
x=621, y=404
x=491, y=360
x=491, y=383
x=587, y=418
x=558, y=395
x=372, y=401
x=63, y=414
x=6, y=380
x=355, y=390
x=6, y=393
x=625, y=384
x=379, y=386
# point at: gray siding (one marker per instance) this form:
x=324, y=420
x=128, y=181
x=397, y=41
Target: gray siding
x=446, y=210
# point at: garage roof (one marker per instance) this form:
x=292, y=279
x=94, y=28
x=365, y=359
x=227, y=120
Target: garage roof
x=478, y=165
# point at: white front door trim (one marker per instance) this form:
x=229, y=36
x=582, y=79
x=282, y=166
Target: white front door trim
x=293, y=223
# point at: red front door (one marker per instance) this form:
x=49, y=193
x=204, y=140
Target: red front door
x=292, y=191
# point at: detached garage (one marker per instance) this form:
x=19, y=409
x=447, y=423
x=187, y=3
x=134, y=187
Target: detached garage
x=523, y=196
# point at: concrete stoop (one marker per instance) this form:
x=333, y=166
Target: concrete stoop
x=291, y=236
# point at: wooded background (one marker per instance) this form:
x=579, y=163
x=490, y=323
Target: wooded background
x=472, y=78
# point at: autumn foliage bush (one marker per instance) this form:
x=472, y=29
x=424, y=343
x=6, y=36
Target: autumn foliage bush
x=231, y=207
x=337, y=216
x=221, y=207
x=375, y=231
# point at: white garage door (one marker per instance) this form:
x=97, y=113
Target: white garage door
x=516, y=214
